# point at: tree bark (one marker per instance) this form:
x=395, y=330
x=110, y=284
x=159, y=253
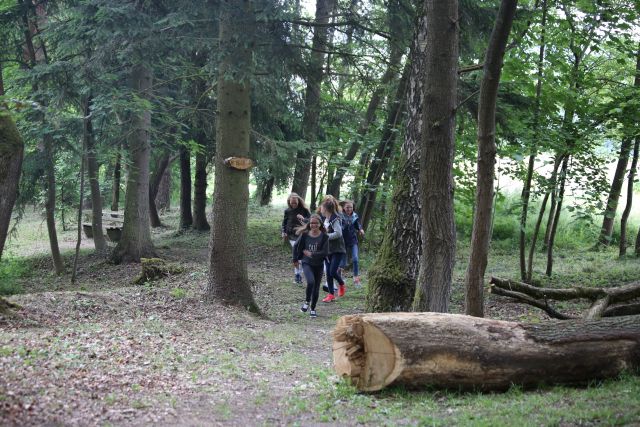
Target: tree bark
x=266, y=192
x=392, y=278
x=228, y=279
x=396, y=49
x=92, y=170
x=311, y=118
x=50, y=204
x=600, y=298
x=627, y=208
x=526, y=188
x=163, y=198
x=115, y=190
x=200, y=193
x=556, y=217
x=186, y=218
x=154, y=184
x=606, y=231
x=74, y=270
x=135, y=242
x=384, y=151
x=482, y=220
x=437, y=145
x=419, y=350
x=536, y=230
x=11, y=152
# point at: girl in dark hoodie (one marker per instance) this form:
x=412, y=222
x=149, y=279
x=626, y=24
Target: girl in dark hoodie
x=294, y=216
x=310, y=250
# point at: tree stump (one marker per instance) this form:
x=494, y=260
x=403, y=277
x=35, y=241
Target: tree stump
x=156, y=268
x=418, y=350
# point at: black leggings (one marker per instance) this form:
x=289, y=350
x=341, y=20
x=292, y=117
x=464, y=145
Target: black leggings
x=313, y=275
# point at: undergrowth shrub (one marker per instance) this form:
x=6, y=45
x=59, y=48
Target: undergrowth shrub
x=11, y=269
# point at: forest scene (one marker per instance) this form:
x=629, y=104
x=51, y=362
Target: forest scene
x=319, y=212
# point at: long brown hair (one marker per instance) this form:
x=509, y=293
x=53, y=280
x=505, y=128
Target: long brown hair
x=300, y=200
x=305, y=228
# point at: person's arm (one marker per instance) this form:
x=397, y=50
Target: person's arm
x=297, y=249
x=283, y=230
x=358, y=226
x=337, y=229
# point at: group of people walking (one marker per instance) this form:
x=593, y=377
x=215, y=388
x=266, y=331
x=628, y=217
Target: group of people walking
x=320, y=243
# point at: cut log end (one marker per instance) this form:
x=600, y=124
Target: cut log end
x=363, y=354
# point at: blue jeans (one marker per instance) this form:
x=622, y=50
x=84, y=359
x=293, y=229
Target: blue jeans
x=354, y=259
x=332, y=265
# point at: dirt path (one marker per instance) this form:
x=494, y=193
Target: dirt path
x=159, y=354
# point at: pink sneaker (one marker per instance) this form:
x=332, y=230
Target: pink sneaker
x=356, y=281
x=341, y=290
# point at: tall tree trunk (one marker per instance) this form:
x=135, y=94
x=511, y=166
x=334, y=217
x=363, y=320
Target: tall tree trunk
x=163, y=198
x=36, y=58
x=92, y=170
x=536, y=229
x=74, y=270
x=186, y=218
x=632, y=171
x=135, y=242
x=266, y=192
x=200, y=194
x=526, y=188
x=154, y=184
x=314, y=181
x=627, y=208
x=115, y=190
x=11, y=152
x=482, y=220
x=50, y=204
x=384, y=151
x=396, y=49
x=556, y=218
x=437, y=145
x=228, y=279
x=606, y=231
x=311, y=118
x=392, y=278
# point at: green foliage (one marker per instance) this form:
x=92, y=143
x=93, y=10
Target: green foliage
x=11, y=269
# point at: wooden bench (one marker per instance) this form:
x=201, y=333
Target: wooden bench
x=112, y=222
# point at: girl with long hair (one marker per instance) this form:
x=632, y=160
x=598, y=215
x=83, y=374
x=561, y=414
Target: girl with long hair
x=310, y=250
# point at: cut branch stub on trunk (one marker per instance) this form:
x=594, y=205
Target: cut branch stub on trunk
x=601, y=298
x=419, y=350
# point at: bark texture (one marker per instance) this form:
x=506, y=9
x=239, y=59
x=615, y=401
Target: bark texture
x=602, y=300
x=606, y=231
x=228, y=279
x=135, y=242
x=115, y=189
x=324, y=8
x=11, y=152
x=186, y=218
x=482, y=220
x=200, y=193
x=436, y=177
x=99, y=241
x=629, y=204
x=154, y=184
x=419, y=350
x=392, y=278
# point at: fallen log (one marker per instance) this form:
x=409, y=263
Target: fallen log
x=602, y=299
x=418, y=350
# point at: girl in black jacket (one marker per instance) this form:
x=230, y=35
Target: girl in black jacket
x=294, y=216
